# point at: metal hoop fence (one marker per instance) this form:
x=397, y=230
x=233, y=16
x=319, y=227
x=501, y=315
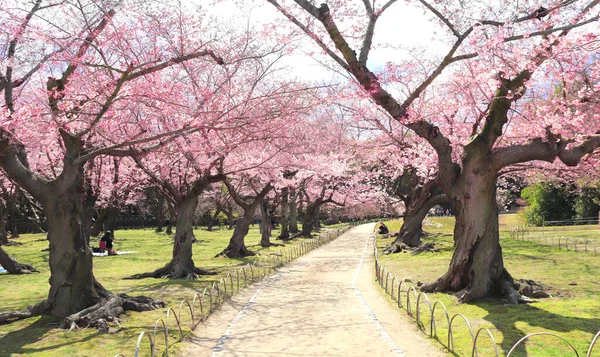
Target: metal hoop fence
x=404, y=292
x=542, y=236
x=221, y=291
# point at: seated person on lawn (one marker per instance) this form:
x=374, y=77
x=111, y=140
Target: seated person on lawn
x=106, y=242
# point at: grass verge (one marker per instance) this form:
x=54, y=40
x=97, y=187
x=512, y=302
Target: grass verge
x=40, y=336
x=573, y=313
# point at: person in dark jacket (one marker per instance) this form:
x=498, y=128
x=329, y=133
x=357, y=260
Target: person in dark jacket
x=108, y=238
x=383, y=229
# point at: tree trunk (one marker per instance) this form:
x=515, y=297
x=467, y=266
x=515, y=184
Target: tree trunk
x=230, y=219
x=309, y=218
x=172, y=218
x=160, y=214
x=11, y=211
x=237, y=247
x=181, y=265
x=3, y=234
x=318, y=218
x=97, y=225
x=412, y=227
x=12, y=266
x=213, y=220
x=293, y=212
x=285, y=215
x=476, y=269
x=265, y=238
x=110, y=222
x=72, y=283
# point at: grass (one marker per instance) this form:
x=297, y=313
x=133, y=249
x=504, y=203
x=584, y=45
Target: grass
x=40, y=336
x=573, y=312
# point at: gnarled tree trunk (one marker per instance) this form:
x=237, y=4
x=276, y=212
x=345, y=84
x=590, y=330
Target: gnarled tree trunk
x=3, y=234
x=237, y=246
x=477, y=268
x=99, y=223
x=309, y=218
x=182, y=265
x=172, y=218
x=412, y=226
x=293, y=212
x=285, y=215
x=110, y=222
x=12, y=266
x=11, y=211
x=213, y=220
x=160, y=213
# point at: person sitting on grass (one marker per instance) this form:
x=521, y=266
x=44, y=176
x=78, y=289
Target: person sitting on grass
x=108, y=239
x=383, y=229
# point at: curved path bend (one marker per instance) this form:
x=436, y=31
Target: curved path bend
x=324, y=304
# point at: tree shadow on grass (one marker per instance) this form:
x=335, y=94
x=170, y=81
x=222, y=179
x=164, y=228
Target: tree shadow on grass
x=508, y=318
x=25, y=340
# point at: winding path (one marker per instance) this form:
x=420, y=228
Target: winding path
x=323, y=304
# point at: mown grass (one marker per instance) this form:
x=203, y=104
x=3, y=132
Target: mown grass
x=573, y=312
x=40, y=336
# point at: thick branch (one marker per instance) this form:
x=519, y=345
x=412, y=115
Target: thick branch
x=546, y=150
x=13, y=159
x=311, y=34
x=173, y=61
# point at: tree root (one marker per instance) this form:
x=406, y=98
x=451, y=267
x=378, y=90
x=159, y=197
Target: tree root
x=271, y=244
x=107, y=311
x=226, y=253
x=401, y=247
x=504, y=286
x=11, y=243
x=35, y=310
x=168, y=272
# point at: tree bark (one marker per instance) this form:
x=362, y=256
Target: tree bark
x=284, y=234
x=477, y=268
x=318, y=218
x=237, y=247
x=11, y=211
x=3, y=234
x=110, y=222
x=182, y=265
x=230, y=219
x=97, y=225
x=12, y=266
x=213, y=220
x=293, y=212
x=172, y=218
x=412, y=226
x=265, y=240
x=160, y=212
x=309, y=218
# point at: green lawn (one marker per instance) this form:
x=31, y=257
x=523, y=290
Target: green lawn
x=40, y=336
x=573, y=312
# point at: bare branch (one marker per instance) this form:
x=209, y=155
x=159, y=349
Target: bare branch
x=442, y=18
x=311, y=34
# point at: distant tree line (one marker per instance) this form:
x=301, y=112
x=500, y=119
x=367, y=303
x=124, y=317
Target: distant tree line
x=560, y=201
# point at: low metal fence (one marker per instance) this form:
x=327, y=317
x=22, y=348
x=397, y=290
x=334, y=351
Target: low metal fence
x=546, y=237
x=204, y=303
x=400, y=291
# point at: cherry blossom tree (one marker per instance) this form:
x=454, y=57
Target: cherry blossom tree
x=249, y=195
x=82, y=80
x=498, y=58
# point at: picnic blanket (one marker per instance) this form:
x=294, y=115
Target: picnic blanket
x=105, y=254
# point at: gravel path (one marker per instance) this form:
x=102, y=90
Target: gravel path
x=323, y=304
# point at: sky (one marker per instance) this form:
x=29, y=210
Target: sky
x=402, y=25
